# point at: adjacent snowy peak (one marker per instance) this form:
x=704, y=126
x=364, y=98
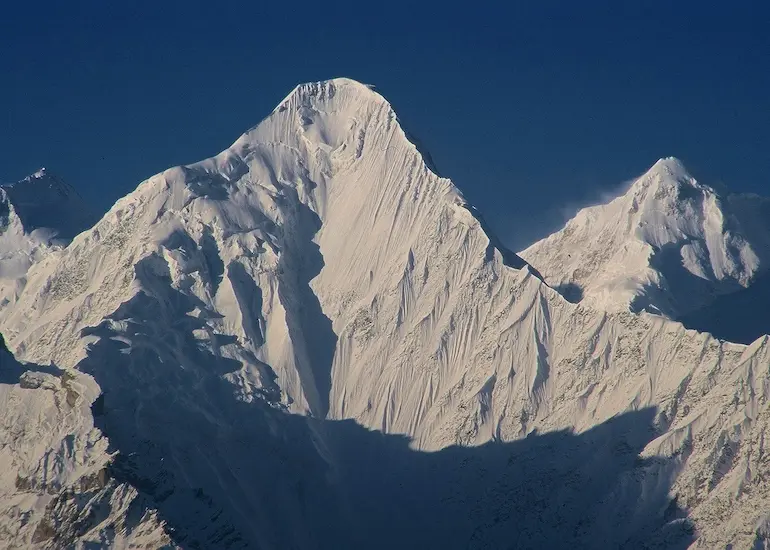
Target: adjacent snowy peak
x=668, y=246
x=37, y=213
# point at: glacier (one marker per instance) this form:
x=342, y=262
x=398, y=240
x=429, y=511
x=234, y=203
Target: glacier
x=311, y=340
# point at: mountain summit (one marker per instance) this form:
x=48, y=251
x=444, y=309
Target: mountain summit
x=363, y=365
x=668, y=245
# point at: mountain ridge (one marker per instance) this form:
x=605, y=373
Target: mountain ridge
x=314, y=292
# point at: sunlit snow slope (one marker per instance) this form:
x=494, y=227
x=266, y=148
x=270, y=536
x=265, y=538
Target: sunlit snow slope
x=668, y=245
x=282, y=332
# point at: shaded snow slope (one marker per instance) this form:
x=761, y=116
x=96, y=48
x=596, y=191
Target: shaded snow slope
x=38, y=215
x=740, y=316
x=45, y=201
x=669, y=245
x=260, y=321
x=56, y=484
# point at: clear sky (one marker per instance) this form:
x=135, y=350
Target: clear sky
x=531, y=110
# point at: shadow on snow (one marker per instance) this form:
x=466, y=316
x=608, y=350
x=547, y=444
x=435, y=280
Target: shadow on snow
x=738, y=317
x=227, y=473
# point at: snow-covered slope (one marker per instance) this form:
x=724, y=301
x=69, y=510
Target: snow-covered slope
x=56, y=486
x=310, y=341
x=38, y=214
x=669, y=245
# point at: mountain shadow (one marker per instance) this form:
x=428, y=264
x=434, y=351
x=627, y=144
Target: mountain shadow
x=553, y=490
x=572, y=292
x=741, y=316
x=235, y=470
x=310, y=330
x=11, y=370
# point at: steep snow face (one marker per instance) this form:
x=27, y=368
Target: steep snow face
x=38, y=215
x=327, y=189
x=667, y=246
x=238, y=313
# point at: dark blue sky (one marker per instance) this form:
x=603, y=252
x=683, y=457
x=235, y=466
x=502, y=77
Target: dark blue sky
x=530, y=110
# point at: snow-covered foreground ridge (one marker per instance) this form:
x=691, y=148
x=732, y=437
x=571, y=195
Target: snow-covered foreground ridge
x=309, y=341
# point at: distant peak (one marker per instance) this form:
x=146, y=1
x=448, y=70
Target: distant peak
x=43, y=174
x=44, y=200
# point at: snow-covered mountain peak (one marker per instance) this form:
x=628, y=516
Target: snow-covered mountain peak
x=667, y=245
x=325, y=114
x=322, y=307
x=43, y=178
x=666, y=167
x=667, y=178
x=334, y=98
x=332, y=124
x=45, y=201
x=666, y=187
x=329, y=189
x=666, y=204
x=325, y=90
x=37, y=214
x=43, y=172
